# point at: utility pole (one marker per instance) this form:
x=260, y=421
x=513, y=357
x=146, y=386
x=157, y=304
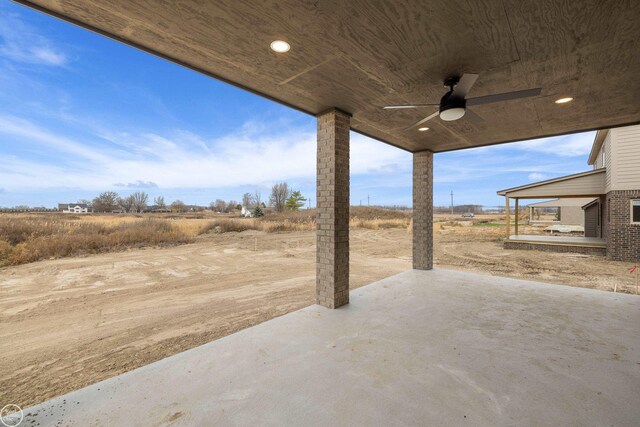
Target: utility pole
x=368, y=202
x=451, y=202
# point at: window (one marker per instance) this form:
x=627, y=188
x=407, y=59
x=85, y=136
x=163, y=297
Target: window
x=635, y=211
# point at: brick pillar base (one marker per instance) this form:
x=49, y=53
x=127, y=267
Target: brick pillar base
x=332, y=221
x=423, y=210
x=623, y=237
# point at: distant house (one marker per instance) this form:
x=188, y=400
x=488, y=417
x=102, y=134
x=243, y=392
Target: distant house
x=246, y=212
x=612, y=216
x=158, y=209
x=76, y=208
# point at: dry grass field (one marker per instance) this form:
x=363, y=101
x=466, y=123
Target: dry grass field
x=106, y=305
x=29, y=237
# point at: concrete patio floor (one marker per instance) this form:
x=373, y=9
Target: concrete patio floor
x=419, y=348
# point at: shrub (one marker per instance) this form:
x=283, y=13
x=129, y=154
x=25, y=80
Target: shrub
x=226, y=225
x=31, y=238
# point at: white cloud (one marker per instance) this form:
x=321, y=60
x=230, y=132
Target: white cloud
x=25, y=129
x=20, y=42
x=180, y=159
x=138, y=184
x=535, y=176
x=578, y=144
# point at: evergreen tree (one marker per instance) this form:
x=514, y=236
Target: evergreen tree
x=295, y=201
x=257, y=212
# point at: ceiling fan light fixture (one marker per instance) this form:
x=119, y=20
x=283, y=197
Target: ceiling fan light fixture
x=280, y=46
x=423, y=129
x=563, y=100
x=451, y=114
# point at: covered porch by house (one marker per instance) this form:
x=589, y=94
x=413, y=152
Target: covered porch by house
x=435, y=347
x=588, y=187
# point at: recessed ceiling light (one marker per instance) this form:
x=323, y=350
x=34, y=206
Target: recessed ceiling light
x=423, y=129
x=564, y=100
x=280, y=46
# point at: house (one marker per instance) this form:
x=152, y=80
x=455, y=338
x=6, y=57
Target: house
x=159, y=209
x=246, y=212
x=77, y=208
x=608, y=196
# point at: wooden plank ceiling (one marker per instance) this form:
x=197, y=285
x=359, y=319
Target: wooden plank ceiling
x=360, y=55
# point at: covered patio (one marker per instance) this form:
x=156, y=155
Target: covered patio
x=585, y=186
x=427, y=346
x=432, y=347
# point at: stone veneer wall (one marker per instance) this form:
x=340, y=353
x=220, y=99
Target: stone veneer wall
x=623, y=238
x=423, y=210
x=332, y=221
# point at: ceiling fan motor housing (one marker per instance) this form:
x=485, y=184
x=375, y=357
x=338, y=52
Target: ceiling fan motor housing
x=452, y=107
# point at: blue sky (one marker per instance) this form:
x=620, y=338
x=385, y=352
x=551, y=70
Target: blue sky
x=81, y=114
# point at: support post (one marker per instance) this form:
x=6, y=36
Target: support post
x=423, y=210
x=508, y=216
x=332, y=199
x=517, y=216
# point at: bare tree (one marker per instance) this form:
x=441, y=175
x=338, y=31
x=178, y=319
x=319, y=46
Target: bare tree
x=232, y=205
x=220, y=205
x=106, y=202
x=159, y=202
x=178, y=206
x=279, y=195
x=247, y=200
x=257, y=199
x=140, y=199
x=126, y=203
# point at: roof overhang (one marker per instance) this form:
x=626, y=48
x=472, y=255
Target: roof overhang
x=563, y=203
x=601, y=135
x=591, y=203
x=585, y=184
x=361, y=55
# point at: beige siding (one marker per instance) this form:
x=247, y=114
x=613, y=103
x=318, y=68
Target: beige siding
x=608, y=153
x=625, y=165
x=571, y=215
x=588, y=185
x=598, y=162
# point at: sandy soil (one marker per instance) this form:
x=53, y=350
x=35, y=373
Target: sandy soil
x=68, y=323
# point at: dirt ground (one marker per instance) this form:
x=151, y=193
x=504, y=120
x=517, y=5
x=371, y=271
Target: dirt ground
x=68, y=323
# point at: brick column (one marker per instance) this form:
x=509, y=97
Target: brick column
x=332, y=221
x=423, y=210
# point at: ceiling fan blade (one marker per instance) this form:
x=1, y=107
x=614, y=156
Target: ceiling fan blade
x=394, y=107
x=429, y=117
x=507, y=96
x=464, y=85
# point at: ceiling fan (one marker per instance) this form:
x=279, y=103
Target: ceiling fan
x=453, y=104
